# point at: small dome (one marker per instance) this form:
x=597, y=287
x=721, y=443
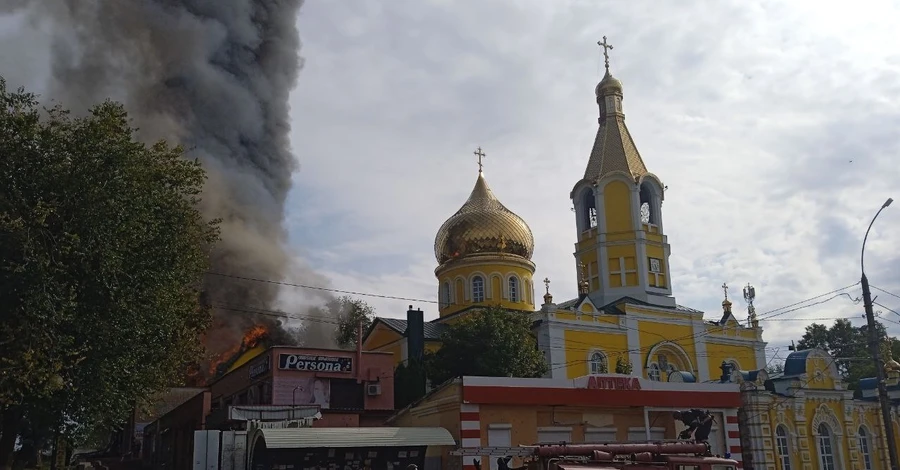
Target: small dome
x=608, y=85
x=483, y=225
x=892, y=366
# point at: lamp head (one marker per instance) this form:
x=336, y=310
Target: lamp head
x=887, y=203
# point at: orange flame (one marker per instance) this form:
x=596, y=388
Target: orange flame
x=251, y=339
x=254, y=336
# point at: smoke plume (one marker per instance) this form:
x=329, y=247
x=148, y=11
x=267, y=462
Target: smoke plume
x=214, y=75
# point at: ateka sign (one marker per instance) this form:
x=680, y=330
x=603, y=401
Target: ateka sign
x=315, y=363
x=600, y=382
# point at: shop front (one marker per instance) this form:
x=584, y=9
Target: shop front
x=351, y=388
x=360, y=448
x=496, y=415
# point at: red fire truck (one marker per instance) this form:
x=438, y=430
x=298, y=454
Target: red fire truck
x=651, y=456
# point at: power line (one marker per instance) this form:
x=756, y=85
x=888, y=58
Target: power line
x=886, y=292
x=766, y=316
x=319, y=288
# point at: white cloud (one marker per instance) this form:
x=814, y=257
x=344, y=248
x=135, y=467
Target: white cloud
x=772, y=123
x=750, y=111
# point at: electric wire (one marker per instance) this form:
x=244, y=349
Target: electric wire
x=766, y=316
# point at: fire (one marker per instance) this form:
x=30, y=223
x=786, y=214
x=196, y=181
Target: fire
x=254, y=336
x=251, y=339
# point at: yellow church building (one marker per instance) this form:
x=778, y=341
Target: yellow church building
x=625, y=310
x=806, y=419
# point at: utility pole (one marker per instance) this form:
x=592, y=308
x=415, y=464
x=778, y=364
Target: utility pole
x=876, y=351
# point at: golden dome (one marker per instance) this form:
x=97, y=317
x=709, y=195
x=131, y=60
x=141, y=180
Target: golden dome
x=483, y=225
x=608, y=85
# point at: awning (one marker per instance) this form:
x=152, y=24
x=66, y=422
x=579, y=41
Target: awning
x=305, y=438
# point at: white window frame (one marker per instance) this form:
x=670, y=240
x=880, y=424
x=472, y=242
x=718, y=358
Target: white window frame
x=478, y=294
x=864, y=448
x=653, y=372
x=514, y=290
x=823, y=440
x=498, y=429
x=445, y=294
x=782, y=447
x=594, y=365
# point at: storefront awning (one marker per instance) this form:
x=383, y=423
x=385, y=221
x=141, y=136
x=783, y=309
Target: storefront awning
x=305, y=438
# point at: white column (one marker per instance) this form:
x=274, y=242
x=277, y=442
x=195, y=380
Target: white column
x=634, y=346
x=700, y=346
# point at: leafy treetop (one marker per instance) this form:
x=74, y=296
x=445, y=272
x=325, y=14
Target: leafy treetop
x=350, y=313
x=491, y=342
x=102, y=251
x=848, y=345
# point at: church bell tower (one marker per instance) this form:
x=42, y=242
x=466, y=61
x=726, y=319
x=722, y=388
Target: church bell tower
x=618, y=208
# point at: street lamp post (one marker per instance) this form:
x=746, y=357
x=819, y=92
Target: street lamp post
x=876, y=350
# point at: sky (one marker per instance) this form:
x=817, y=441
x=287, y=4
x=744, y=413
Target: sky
x=773, y=124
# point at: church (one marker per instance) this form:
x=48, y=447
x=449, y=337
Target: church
x=625, y=318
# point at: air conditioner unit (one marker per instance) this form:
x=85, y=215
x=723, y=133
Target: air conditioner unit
x=373, y=390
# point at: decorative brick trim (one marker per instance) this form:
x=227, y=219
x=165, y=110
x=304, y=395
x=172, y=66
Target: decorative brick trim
x=469, y=432
x=733, y=435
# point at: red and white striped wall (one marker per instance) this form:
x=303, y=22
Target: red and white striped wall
x=469, y=432
x=733, y=435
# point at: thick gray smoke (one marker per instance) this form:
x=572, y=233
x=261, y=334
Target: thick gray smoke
x=214, y=75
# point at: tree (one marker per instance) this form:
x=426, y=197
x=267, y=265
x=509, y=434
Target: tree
x=351, y=312
x=623, y=366
x=102, y=253
x=490, y=342
x=775, y=369
x=849, y=346
x=409, y=381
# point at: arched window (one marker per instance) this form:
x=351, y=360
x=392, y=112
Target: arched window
x=826, y=448
x=477, y=289
x=653, y=372
x=445, y=295
x=513, y=289
x=781, y=445
x=598, y=363
x=648, y=205
x=864, y=448
x=589, y=210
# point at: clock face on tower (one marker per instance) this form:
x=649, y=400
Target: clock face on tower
x=645, y=213
x=654, y=265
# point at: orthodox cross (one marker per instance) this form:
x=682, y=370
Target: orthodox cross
x=606, y=48
x=725, y=288
x=547, y=284
x=480, y=155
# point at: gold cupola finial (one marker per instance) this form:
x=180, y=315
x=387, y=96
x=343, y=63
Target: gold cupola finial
x=891, y=367
x=478, y=153
x=609, y=84
x=726, y=304
x=548, y=297
x=483, y=226
x=606, y=48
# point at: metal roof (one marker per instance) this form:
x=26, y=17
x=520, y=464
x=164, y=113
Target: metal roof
x=304, y=438
x=432, y=330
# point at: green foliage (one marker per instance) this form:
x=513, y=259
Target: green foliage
x=350, y=313
x=491, y=342
x=102, y=252
x=409, y=383
x=623, y=366
x=846, y=342
x=775, y=369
